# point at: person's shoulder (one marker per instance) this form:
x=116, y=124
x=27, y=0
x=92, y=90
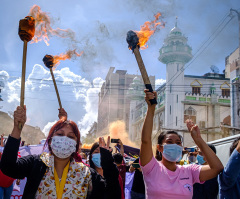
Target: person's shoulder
x=190, y=167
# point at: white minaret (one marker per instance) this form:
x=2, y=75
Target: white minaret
x=175, y=53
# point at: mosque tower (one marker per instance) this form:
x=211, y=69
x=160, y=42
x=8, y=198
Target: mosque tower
x=175, y=53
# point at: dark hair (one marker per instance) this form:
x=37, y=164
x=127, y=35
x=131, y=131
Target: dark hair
x=158, y=155
x=234, y=145
x=161, y=137
x=58, y=125
x=118, y=158
x=212, y=147
x=94, y=146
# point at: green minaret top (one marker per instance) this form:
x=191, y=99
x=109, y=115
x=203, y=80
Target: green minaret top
x=175, y=47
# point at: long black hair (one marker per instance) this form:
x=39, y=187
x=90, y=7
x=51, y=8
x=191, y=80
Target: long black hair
x=161, y=137
x=94, y=146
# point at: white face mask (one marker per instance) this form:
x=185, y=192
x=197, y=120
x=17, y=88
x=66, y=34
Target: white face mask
x=62, y=146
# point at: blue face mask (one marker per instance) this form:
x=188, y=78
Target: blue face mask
x=96, y=158
x=179, y=159
x=172, y=152
x=200, y=159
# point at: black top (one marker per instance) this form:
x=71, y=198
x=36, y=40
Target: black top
x=208, y=190
x=33, y=168
x=138, y=185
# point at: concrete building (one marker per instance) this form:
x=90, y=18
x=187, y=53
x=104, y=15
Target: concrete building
x=204, y=99
x=114, y=104
x=92, y=133
x=233, y=67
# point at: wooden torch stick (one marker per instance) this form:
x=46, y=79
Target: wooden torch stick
x=133, y=44
x=56, y=89
x=26, y=32
x=144, y=74
x=23, y=77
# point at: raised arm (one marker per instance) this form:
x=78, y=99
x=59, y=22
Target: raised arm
x=215, y=165
x=121, y=148
x=110, y=170
x=10, y=165
x=146, y=152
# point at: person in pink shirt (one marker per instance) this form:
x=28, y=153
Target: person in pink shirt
x=164, y=179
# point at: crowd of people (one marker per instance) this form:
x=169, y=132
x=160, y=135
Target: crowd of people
x=64, y=171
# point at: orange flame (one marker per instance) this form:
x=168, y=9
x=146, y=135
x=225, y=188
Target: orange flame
x=147, y=30
x=86, y=146
x=43, y=29
x=63, y=56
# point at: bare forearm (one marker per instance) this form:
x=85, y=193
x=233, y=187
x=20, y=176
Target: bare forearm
x=210, y=156
x=146, y=153
x=148, y=125
x=122, y=150
x=16, y=133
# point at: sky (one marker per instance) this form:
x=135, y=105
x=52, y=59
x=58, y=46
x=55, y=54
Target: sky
x=100, y=28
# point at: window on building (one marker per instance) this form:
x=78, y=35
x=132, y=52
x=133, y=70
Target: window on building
x=121, y=81
x=177, y=67
x=170, y=109
x=170, y=88
x=177, y=98
x=121, y=92
x=190, y=113
x=196, y=90
x=226, y=92
x=176, y=121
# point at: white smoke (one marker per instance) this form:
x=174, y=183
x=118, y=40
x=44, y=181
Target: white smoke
x=78, y=96
x=159, y=82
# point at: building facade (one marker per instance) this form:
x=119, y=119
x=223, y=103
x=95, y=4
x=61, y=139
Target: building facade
x=204, y=99
x=233, y=66
x=114, y=104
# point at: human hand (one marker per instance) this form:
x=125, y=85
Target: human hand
x=193, y=129
x=120, y=142
x=62, y=114
x=19, y=117
x=149, y=96
x=102, y=143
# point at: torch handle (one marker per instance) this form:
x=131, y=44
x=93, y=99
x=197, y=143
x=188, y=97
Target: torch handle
x=56, y=89
x=144, y=74
x=20, y=126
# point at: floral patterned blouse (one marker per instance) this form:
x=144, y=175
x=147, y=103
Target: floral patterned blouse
x=77, y=183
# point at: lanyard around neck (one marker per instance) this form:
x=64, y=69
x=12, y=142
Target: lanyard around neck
x=60, y=187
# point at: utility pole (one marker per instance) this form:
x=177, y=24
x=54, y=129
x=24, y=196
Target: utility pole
x=236, y=84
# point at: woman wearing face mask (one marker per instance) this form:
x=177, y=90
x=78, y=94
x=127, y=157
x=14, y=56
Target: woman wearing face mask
x=50, y=175
x=192, y=157
x=165, y=179
x=101, y=160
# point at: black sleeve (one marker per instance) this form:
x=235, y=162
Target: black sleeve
x=98, y=186
x=12, y=166
x=110, y=173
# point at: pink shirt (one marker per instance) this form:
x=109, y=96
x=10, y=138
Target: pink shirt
x=161, y=183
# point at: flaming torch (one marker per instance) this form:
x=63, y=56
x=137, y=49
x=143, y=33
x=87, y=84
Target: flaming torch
x=137, y=39
x=26, y=32
x=52, y=62
x=48, y=60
